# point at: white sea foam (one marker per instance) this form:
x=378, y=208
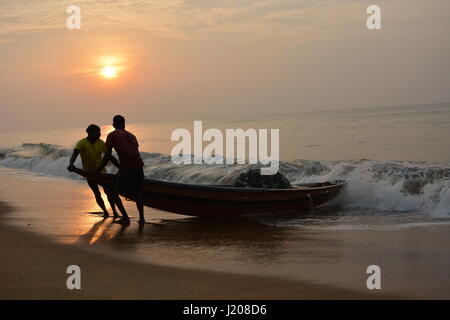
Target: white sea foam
x=375, y=185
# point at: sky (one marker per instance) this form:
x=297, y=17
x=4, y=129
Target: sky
x=201, y=59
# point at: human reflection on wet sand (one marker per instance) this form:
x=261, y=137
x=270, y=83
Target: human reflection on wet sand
x=252, y=245
x=103, y=230
x=245, y=237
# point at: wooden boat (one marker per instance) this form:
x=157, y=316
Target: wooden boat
x=216, y=201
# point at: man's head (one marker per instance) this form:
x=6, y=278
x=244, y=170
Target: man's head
x=119, y=122
x=93, y=132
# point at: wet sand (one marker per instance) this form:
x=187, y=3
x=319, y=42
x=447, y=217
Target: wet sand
x=33, y=267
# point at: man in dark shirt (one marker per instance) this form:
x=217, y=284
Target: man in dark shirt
x=131, y=172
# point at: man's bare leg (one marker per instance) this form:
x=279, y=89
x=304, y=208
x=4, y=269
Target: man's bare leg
x=113, y=208
x=98, y=197
x=118, y=202
x=140, y=207
x=112, y=202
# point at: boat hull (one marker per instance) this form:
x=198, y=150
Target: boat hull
x=221, y=201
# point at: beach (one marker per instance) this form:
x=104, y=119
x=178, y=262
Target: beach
x=34, y=268
x=179, y=258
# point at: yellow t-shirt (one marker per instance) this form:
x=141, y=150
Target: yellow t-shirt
x=91, y=153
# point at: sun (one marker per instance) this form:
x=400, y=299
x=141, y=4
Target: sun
x=109, y=72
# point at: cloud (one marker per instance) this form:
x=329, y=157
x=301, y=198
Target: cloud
x=212, y=19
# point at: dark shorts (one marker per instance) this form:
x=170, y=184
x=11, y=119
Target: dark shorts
x=129, y=182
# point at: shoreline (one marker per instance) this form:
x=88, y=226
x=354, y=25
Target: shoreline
x=34, y=267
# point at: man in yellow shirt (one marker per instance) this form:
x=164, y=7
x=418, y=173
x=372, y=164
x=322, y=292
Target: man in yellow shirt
x=91, y=150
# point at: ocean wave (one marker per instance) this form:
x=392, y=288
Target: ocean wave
x=375, y=185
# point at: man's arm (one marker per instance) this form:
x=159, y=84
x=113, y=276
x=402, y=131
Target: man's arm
x=106, y=158
x=74, y=156
x=114, y=161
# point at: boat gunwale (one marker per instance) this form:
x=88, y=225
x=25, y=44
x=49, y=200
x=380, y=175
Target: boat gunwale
x=148, y=181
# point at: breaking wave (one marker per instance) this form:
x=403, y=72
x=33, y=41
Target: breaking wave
x=388, y=186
